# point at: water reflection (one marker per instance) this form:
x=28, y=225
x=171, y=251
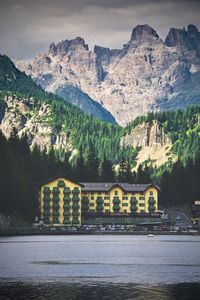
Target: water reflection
x=100, y=267
x=89, y=291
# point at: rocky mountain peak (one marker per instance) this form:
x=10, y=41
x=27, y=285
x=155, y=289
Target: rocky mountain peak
x=106, y=55
x=146, y=75
x=63, y=47
x=176, y=37
x=143, y=32
x=187, y=39
x=192, y=29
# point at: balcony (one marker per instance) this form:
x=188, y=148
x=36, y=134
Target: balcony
x=46, y=220
x=75, y=213
x=46, y=190
x=99, y=199
x=67, y=222
x=134, y=209
x=75, y=222
x=75, y=206
x=151, y=200
x=61, y=183
x=75, y=198
x=46, y=198
x=76, y=191
x=55, y=206
x=116, y=208
x=99, y=208
x=134, y=200
x=46, y=206
x=55, y=221
x=66, y=206
x=55, y=213
x=116, y=200
x=66, y=190
x=47, y=213
x=67, y=213
x=56, y=191
x=152, y=208
x=66, y=199
x=55, y=199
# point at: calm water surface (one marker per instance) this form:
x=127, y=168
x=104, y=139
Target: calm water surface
x=100, y=267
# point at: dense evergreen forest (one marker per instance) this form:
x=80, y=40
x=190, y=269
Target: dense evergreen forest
x=98, y=142
x=23, y=170
x=182, y=126
x=80, y=127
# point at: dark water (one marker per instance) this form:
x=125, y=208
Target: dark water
x=100, y=267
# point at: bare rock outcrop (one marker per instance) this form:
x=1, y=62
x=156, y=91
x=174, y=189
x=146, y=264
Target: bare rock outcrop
x=147, y=74
x=20, y=114
x=155, y=144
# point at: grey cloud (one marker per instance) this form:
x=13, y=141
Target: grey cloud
x=28, y=27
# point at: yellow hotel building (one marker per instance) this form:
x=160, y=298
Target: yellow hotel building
x=64, y=202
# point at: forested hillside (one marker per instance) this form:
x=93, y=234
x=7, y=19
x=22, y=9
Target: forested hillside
x=182, y=126
x=99, y=153
x=80, y=127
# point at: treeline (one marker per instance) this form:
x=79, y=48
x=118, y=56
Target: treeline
x=22, y=171
x=181, y=184
x=182, y=126
x=79, y=126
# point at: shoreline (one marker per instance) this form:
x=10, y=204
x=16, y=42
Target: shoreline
x=154, y=233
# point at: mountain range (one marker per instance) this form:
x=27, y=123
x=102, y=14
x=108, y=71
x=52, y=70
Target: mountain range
x=49, y=122
x=147, y=74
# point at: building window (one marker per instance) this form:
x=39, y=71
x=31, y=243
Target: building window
x=141, y=204
x=99, y=193
x=124, y=204
x=132, y=193
x=125, y=198
x=151, y=193
x=116, y=192
x=91, y=204
x=125, y=211
x=92, y=197
x=141, y=198
x=92, y=193
x=106, y=204
x=107, y=210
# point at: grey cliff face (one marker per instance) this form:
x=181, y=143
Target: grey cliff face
x=146, y=135
x=147, y=74
x=20, y=115
x=187, y=39
x=143, y=33
x=155, y=144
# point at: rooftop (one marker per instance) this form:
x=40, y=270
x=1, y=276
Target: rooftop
x=107, y=186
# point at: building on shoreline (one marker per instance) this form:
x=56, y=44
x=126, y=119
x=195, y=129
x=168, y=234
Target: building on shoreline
x=64, y=202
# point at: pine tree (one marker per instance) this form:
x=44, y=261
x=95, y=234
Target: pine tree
x=80, y=167
x=92, y=165
x=107, y=173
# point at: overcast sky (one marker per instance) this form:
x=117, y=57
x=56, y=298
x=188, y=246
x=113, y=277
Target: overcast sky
x=29, y=26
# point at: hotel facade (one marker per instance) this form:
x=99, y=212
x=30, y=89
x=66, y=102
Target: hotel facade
x=63, y=202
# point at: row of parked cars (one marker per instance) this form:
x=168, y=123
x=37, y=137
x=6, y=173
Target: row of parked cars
x=83, y=228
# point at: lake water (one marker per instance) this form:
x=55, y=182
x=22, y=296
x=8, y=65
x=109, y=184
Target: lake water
x=100, y=267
